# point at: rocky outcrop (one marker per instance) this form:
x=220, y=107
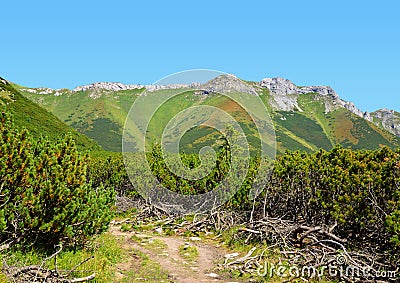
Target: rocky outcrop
x=367, y=116
x=156, y=87
x=45, y=91
x=5, y=96
x=110, y=86
x=285, y=95
x=3, y=81
x=283, y=86
x=221, y=84
x=107, y=86
x=286, y=102
x=322, y=90
x=227, y=83
x=279, y=86
x=388, y=119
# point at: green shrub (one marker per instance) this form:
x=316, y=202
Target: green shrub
x=359, y=190
x=107, y=169
x=45, y=197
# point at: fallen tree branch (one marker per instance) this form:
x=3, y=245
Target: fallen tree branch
x=82, y=279
x=39, y=274
x=242, y=259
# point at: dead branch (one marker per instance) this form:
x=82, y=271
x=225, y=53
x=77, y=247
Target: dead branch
x=299, y=243
x=242, y=259
x=82, y=279
x=39, y=274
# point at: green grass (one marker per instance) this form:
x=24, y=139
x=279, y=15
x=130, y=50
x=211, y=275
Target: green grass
x=147, y=270
x=304, y=128
x=196, y=138
x=150, y=243
x=103, y=119
x=369, y=137
x=313, y=106
x=189, y=253
x=287, y=140
x=38, y=121
x=105, y=250
x=107, y=132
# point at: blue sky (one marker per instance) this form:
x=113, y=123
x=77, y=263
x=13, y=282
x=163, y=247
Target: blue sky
x=352, y=46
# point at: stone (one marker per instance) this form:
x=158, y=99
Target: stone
x=212, y=275
x=111, y=86
x=195, y=239
x=226, y=84
x=279, y=86
x=388, y=119
x=285, y=94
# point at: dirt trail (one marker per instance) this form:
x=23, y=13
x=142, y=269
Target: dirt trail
x=179, y=270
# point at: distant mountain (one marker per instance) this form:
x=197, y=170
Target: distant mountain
x=97, y=110
x=306, y=117
x=286, y=94
x=312, y=109
x=38, y=121
x=387, y=119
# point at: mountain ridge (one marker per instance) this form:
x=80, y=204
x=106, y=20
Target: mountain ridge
x=277, y=85
x=37, y=120
x=282, y=88
x=101, y=108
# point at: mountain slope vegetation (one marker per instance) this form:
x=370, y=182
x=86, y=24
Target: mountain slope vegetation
x=315, y=121
x=37, y=120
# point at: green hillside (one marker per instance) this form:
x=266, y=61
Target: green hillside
x=201, y=136
x=100, y=114
x=38, y=121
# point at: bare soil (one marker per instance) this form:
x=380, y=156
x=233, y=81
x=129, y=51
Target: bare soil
x=203, y=269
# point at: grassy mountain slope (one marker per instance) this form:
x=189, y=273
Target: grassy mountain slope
x=38, y=121
x=315, y=127
x=100, y=114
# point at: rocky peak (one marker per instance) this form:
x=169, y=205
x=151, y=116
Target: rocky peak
x=5, y=95
x=322, y=90
x=3, y=81
x=279, y=86
x=385, y=113
x=283, y=92
x=111, y=86
x=224, y=83
x=156, y=87
x=388, y=119
x=285, y=95
x=227, y=83
x=115, y=86
x=283, y=86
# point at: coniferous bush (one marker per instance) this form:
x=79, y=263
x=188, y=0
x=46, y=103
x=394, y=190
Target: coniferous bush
x=44, y=194
x=108, y=170
x=356, y=193
x=357, y=190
